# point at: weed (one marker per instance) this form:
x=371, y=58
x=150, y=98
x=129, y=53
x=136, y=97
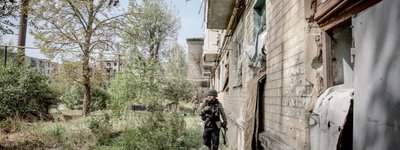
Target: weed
x=101, y=127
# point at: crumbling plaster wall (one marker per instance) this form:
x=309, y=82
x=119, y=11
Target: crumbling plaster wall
x=234, y=97
x=291, y=79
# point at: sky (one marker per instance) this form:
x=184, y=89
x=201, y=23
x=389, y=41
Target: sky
x=191, y=19
x=187, y=10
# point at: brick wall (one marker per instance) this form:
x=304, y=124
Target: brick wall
x=195, y=49
x=286, y=92
x=234, y=98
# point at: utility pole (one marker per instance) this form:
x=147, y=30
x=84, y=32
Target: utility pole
x=119, y=62
x=22, y=31
x=5, y=56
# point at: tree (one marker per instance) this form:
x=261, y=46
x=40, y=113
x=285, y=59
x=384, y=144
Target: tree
x=81, y=26
x=153, y=29
x=176, y=64
x=8, y=11
x=176, y=88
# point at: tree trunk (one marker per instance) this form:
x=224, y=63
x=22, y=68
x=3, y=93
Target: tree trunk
x=86, y=57
x=86, y=84
x=22, y=31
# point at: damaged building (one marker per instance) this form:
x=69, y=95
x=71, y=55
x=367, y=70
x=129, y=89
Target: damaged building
x=305, y=74
x=196, y=74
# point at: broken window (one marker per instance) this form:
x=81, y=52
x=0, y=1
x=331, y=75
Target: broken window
x=255, y=51
x=224, y=72
x=259, y=17
x=239, y=49
x=342, y=66
x=221, y=75
x=337, y=53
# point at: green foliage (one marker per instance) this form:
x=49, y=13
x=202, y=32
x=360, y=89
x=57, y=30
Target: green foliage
x=152, y=35
x=157, y=131
x=101, y=127
x=24, y=90
x=85, y=32
x=139, y=83
x=100, y=98
x=176, y=64
x=177, y=89
x=8, y=10
x=74, y=97
x=192, y=139
x=58, y=133
x=153, y=29
x=10, y=56
x=122, y=91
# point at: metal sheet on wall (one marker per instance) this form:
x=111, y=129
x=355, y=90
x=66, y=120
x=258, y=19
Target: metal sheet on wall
x=377, y=77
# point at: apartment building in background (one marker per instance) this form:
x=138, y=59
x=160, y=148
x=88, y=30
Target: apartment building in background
x=44, y=66
x=196, y=74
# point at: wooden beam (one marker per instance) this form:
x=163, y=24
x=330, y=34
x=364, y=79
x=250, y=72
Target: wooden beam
x=336, y=20
x=327, y=60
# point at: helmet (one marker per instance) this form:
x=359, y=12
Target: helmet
x=212, y=93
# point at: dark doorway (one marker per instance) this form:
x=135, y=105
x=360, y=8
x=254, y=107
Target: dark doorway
x=259, y=121
x=345, y=141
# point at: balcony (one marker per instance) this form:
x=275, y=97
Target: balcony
x=207, y=65
x=206, y=73
x=209, y=57
x=212, y=40
x=219, y=13
x=206, y=68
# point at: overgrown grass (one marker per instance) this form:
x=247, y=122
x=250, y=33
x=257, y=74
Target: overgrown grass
x=100, y=131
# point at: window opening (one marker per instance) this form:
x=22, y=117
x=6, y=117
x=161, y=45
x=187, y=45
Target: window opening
x=338, y=66
x=259, y=17
x=239, y=63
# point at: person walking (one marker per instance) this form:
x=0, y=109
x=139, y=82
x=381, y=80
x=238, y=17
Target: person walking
x=211, y=112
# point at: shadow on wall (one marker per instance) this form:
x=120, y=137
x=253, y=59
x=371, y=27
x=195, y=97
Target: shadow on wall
x=377, y=83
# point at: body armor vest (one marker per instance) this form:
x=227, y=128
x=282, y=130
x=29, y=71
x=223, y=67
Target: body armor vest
x=214, y=110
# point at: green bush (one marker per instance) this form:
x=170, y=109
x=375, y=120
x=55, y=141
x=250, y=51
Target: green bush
x=130, y=88
x=177, y=90
x=100, y=126
x=24, y=90
x=74, y=97
x=100, y=98
x=159, y=131
x=57, y=132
